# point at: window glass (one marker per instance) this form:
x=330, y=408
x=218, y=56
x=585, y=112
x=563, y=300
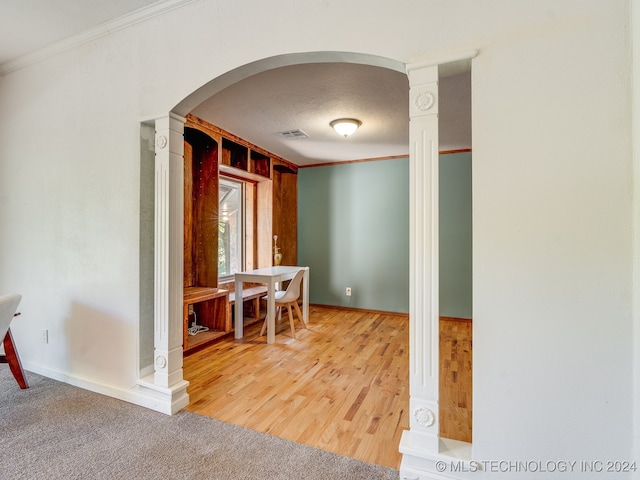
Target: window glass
x=230, y=214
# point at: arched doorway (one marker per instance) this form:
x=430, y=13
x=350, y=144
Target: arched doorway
x=422, y=439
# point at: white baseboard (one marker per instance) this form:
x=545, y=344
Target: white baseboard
x=165, y=400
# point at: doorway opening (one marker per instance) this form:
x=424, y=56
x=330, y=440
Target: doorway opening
x=421, y=413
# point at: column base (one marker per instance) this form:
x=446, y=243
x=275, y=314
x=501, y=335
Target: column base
x=168, y=400
x=452, y=461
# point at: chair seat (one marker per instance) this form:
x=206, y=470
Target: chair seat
x=278, y=294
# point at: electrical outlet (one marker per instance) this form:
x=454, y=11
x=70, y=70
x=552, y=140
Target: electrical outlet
x=45, y=336
x=348, y=292
x=190, y=309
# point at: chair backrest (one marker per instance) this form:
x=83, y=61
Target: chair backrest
x=8, y=306
x=293, y=290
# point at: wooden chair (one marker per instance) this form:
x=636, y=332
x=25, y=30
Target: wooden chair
x=288, y=298
x=8, y=307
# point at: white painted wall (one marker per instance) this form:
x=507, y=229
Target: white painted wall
x=552, y=242
x=553, y=203
x=635, y=26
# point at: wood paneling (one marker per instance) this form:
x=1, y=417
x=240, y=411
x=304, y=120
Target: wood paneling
x=250, y=226
x=189, y=277
x=285, y=212
x=264, y=222
x=203, y=202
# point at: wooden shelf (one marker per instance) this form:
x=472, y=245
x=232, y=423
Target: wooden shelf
x=235, y=155
x=260, y=164
x=210, y=307
x=239, y=157
x=203, y=339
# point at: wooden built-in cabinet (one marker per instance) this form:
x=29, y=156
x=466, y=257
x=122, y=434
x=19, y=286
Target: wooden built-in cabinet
x=271, y=200
x=285, y=205
x=203, y=301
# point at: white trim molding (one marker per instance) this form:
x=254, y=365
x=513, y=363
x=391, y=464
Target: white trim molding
x=107, y=28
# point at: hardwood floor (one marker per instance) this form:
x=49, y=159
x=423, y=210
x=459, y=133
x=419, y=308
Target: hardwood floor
x=341, y=386
x=455, y=378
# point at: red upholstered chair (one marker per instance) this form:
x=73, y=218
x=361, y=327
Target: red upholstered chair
x=8, y=307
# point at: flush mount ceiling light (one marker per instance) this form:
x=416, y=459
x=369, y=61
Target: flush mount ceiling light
x=345, y=126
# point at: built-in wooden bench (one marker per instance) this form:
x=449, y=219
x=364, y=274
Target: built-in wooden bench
x=210, y=306
x=213, y=308
x=250, y=291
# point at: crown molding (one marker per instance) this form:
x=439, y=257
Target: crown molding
x=102, y=30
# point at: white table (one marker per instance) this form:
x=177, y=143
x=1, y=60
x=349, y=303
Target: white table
x=269, y=276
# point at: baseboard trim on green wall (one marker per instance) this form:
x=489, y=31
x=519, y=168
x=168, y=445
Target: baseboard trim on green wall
x=364, y=310
x=456, y=319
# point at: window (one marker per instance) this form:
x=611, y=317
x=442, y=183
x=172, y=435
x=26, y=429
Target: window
x=230, y=234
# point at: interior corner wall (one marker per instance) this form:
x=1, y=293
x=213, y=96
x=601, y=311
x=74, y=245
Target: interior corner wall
x=353, y=231
x=455, y=236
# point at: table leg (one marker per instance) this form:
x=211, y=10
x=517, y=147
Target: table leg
x=271, y=311
x=239, y=320
x=305, y=295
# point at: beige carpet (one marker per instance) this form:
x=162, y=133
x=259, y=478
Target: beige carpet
x=57, y=431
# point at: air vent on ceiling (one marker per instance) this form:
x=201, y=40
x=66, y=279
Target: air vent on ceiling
x=295, y=134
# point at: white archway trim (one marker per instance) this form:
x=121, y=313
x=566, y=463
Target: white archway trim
x=223, y=81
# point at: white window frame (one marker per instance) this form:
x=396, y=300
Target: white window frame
x=241, y=226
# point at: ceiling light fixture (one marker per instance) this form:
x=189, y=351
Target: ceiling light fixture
x=345, y=126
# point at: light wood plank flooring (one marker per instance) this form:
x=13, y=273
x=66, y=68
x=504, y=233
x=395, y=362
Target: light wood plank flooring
x=342, y=385
x=455, y=378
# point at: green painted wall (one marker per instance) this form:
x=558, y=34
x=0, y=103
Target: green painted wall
x=353, y=231
x=455, y=236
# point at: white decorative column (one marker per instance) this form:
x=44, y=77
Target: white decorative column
x=424, y=455
x=167, y=382
x=421, y=442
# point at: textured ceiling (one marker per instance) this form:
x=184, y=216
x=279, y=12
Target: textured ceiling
x=309, y=97
x=306, y=96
